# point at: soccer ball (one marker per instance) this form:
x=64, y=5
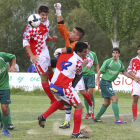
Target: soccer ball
x=34, y=20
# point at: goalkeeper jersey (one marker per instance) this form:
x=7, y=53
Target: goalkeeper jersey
x=4, y=77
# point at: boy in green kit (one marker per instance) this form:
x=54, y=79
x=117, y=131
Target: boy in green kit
x=5, y=88
x=110, y=70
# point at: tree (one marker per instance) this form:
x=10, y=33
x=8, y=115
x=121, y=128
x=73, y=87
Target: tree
x=118, y=19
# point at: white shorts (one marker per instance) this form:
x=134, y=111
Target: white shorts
x=69, y=95
x=135, y=88
x=80, y=85
x=44, y=61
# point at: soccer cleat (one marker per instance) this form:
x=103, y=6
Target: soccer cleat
x=65, y=125
x=91, y=109
x=6, y=132
x=79, y=135
x=92, y=116
x=120, y=121
x=10, y=127
x=87, y=116
x=97, y=120
x=41, y=121
x=134, y=119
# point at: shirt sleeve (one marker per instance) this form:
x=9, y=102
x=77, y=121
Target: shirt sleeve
x=104, y=66
x=130, y=66
x=8, y=57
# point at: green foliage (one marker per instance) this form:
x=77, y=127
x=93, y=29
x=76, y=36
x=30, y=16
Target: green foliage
x=116, y=18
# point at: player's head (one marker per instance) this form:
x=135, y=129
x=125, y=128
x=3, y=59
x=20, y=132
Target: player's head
x=87, y=42
x=43, y=11
x=138, y=49
x=81, y=49
x=115, y=53
x=76, y=34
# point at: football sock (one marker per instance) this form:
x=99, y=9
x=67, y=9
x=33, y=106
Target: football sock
x=68, y=113
x=87, y=97
x=50, y=76
x=9, y=122
x=77, y=121
x=101, y=111
x=46, y=88
x=87, y=105
x=116, y=110
x=56, y=105
x=134, y=111
x=93, y=100
x=5, y=119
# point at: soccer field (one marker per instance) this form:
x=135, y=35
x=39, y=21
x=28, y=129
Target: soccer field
x=25, y=110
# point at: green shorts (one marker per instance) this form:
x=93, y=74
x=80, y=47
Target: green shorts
x=106, y=89
x=5, y=96
x=89, y=81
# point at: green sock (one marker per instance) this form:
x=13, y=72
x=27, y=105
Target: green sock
x=5, y=119
x=116, y=110
x=92, y=99
x=9, y=122
x=0, y=117
x=87, y=105
x=101, y=111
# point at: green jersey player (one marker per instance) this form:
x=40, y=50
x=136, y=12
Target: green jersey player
x=5, y=88
x=110, y=70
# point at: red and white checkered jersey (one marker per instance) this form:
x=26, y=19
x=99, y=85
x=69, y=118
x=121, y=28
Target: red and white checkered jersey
x=134, y=65
x=67, y=66
x=90, y=61
x=36, y=37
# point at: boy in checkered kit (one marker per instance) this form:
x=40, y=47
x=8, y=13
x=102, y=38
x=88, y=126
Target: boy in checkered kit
x=34, y=41
x=61, y=85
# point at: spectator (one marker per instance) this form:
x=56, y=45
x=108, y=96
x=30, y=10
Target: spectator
x=31, y=69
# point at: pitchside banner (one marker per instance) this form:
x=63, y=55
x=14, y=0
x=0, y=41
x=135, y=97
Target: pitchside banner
x=31, y=81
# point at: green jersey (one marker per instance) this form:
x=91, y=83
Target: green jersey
x=4, y=77
x=91, y=71
x=111, y=69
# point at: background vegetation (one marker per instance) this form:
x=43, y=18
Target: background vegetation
x=14, y=15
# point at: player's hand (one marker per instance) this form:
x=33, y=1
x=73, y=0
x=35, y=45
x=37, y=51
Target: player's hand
x=12, y=69
x=35, y=59
x=57, y=52
x=96, y=81
x=54, y=38
x=57, y=7
x=88, y=66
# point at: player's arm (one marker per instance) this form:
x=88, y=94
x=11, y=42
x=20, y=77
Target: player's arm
x=57, y=7
x=130, y=76
x=53, y=38
x=97, y=67
x=12, y=69
x=97, y=78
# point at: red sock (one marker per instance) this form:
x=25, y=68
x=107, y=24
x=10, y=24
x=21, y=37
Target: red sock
x=56, y=105
x=46, y=88
x=134, y=111
x=50, y=76
x=77, y=121
x=88, y=99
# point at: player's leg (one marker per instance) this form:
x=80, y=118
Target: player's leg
x=5, y=101
x=10, y=125
x=66, y=124
x=135, y=95
x=1, y=120
x=116, y=109
x=102, y=110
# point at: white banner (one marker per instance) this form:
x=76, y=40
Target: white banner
x=31, y=81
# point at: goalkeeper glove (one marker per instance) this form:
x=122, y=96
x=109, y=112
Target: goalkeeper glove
x=57, y=7
x=57, y=52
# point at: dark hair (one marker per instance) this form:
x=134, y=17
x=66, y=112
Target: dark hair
x=43, y=8
x=80, y=31
x=86, y=41
x=116, y=49
x=138, y=47
x=79, y=46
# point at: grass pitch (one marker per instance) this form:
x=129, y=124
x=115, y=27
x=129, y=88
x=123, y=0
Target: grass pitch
x=26, y=108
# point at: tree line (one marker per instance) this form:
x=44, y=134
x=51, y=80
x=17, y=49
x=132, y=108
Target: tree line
x=14, y=15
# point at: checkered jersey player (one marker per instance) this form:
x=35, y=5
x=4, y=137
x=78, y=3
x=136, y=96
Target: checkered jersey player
x=34, y=41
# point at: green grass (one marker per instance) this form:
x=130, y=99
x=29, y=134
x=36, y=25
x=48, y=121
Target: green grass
x=26, y=107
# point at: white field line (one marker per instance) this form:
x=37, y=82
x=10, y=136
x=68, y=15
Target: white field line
x=24, y=122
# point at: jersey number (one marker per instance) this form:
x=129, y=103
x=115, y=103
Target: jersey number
x=65, y=65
